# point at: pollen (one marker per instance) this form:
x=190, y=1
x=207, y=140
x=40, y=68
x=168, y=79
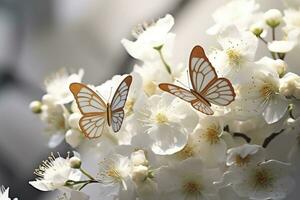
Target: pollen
x=212, y=135
x=263, y=178
x=129, y=106
x=186, y=152
x=192, y=188
x=113, y=173
x=150, y=88
x=242, y=161
x=235, y=58
x=268, y=90
x=161, y=118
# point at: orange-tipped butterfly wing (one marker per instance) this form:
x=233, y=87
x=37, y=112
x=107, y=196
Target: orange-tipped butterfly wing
x=206, y=86
x=96, y=113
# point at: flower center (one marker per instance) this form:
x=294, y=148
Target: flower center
x=150, y=88
x=186, y=152
x=161, y=118
x=212, y=135
x=129, y=106
x=242, y=161
x=192, y=187
x=268, y=90
x=234, y=57
x=113, y=173
x=262, y=178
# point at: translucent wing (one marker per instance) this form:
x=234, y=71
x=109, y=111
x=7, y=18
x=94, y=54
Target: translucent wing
x=118, y=103
x=87, y=100
x=93, y=109
x=201, y=71
x=93, y=125
x=120, y=96
x=219, y=92
x=117, y=120
x=202, y=107
x=178, y=91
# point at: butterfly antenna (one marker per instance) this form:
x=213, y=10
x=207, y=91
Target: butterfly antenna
x=187, y=76
x=181, y=83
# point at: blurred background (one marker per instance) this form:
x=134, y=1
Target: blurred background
x=39, y=37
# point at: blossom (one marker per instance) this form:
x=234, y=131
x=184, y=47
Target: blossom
x=57, y=85
x=239, y=13
x=237, y=53
x=167, y=120
x=54, y=173
x=282, y=46
x=4, y=194
x=290, y=85
x=211, y=148
x=273, y=17
x=245, y=155
x=188, y=179
x=261, y=95
x=269, y=179
x=150, y=36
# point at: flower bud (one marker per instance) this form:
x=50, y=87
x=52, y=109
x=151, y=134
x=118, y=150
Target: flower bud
x=73, y=120
x=257, y=29
x=280, y=67
x=273, y=17
x=139, y=158
x=36, y=107
x=75, y=162
x=73, y=137
x=139, y=174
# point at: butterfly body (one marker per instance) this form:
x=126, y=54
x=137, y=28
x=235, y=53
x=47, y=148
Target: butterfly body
x=206, y=89
x=96, y=113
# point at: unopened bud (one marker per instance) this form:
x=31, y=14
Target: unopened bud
x=36, y=107
x=75, y=162
x=273, y=17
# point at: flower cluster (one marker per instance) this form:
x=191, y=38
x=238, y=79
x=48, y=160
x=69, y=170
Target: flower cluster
x=165, y=148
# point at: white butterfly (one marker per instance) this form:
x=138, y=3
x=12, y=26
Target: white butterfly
x=207, y=87
x=96, y=113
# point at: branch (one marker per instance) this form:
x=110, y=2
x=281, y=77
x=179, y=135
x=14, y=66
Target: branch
x=271, y=137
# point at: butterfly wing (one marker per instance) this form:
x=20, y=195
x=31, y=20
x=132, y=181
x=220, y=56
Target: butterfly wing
x=202, y=107
x=200, y=69
x=118, y=103
x=205, y=80
x=220, y=92
x=178, y=91
x=187, y=96
x=93, y=109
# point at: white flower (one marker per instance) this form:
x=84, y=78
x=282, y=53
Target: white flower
x=290, y=85
x=55, y=116
x=278, y=65
x=282, y=46
x=237, y=54
x=114, y=170
x=211, y=148
x=4, y=194
x=57, y=85
x=54, y=173
x=267, y=180
x=237, y=12
x=150, y=36
x=188, y=179
x=261, y=96
x=273, y=17
x=245, y=155
x=168, y=121
x=139, y=158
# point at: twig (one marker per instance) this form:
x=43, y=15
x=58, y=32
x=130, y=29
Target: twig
x=271, y=137
x=242, y=135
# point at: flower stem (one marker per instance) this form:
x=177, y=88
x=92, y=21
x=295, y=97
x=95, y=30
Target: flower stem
x=87, y=174
x=273, y=34
x=167, y=66
x=266, y=43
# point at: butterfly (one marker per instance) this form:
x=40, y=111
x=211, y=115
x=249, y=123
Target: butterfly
x=206, y=88
x=96, y=113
